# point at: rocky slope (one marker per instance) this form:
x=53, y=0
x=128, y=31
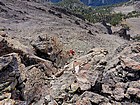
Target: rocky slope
x=50, y=56
x=27, y=20
x=133, y=21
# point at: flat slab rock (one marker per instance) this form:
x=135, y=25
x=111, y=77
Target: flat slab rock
x=9, y=45
x=12, y=76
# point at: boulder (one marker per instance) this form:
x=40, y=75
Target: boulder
x=120, y=81
x=119, y=91
x=131, y=63
x=89, y=60
x=123, y=33
x=34, y=86
x=7, y=102
x=50, y=49
x=22, y=73
x=3, y=34
x=86, y=79
x=133, y=90
x=84, y=101
x=94, y=98
x=9, y=45
x=79, y=76
x=11, y=80
x=108, y=27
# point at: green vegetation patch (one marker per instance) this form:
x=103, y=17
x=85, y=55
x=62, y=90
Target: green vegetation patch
x=96, y=14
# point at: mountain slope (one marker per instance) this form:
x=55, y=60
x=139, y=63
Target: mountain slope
x=87, y=66
x=26, y=20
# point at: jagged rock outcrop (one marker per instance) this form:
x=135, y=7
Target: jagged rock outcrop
x=22, y=73
x=79, y=76
x=123, y=33
x=12, y=76
x=124, y=71
x=8, y=45
x=108, y=27
x=35, y=71
x=50, y=49
x=105, y=82
x=30, y=78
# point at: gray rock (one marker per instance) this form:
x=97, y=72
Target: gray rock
x=94, y=98
x=108, y=27
x=123, y=33
x=119, y=94
x=50, y=49
x=9, y=45
x=47, y=99
x=10, y=74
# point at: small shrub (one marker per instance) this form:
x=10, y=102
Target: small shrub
x=116, y=19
